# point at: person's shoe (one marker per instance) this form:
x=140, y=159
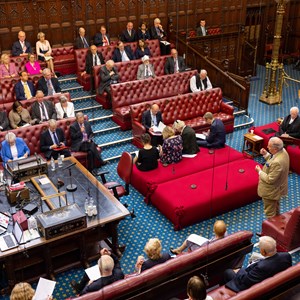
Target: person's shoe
x=75, y=286
x=173, y=251
x=258, y=234
x=103, y=163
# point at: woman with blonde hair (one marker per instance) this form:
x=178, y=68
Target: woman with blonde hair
x=22, y=291
x=43, y=51
x=7, y=68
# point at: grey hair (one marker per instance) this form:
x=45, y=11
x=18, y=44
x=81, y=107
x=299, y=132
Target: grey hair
x=277, y=143
x=10, y=136
x=268, y=244
x=178, y=125
x=79, y=114
x=295, y=108
x=52, y=122
x=46, y=70
x=106, y=264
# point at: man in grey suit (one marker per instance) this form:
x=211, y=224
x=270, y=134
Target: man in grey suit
x=273, y=177
x=145, y=69
x=174, y=64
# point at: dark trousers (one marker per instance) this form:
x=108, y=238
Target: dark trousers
x=54, y=154
x=229, y=274
x=92, y=153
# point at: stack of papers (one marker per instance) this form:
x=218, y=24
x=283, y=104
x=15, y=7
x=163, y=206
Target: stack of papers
x=157, y=130
x=197, y=239
x=200, y=136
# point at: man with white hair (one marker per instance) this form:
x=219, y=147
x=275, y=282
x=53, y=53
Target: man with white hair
x=49, y=85
x=200, y=82
x=273, y=177
x=21, y=47
x=290, y=126
x=273, y=263
x=82, y=41
x=175, y=63
x=145, y=70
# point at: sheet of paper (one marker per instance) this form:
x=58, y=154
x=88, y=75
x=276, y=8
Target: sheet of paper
x=29, y=235
x=44, y=289
x=197, y=239
x=44, y=180
x=159, y=128
x=93, y=272
x=200, y=136
x=189, y=155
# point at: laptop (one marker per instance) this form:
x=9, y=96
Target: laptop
x=11, y=240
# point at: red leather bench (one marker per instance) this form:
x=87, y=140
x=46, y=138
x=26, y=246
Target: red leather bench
x=128, y=93
x=64, y=60
x=169, y=279
x=107, y=53
x=277, y=285
x=189, y=108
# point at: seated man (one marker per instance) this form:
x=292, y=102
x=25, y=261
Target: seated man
x=21, y=47
x=122, y=53
x=52, y=140
x=49, y=85
x=216, y=136
x=13, y=148
x=219, y=231
x=174, y=64
x=242, y=279
x=129, y=34
x=200, y=82
x=102, y=38
x=145, y=70
x=85, y=287
x=81, y=138
x=188, y=135
x=290, y=126
x=24, y=89
x=42, y=109
x=110, y=271
x=81, y=41
x=4, y=124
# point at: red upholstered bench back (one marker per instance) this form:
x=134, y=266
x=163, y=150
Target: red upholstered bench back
x=60, y=51
x=19, y=61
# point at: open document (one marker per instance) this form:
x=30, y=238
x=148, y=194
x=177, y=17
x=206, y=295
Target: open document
x=201, y=136
x=157, y=130
x=197, y=239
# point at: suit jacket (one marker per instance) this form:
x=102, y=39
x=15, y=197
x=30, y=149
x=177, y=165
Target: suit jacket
x=15, y=118
x=141, y=71
x=46, y=141
x=79, y=43
x=154, y=35
x=170, y=65
x=273, y=180
x=292, y=129
x=146, y=119
x=106, y=79
x=89, y=61
x=98, y=39
x=199, y=31
x=117, y=57
x=77, y=136
x=17, y=48
x=22, y=149
x=217, y=134
x=126, y=38
x=42, y=85
x=11, y=70
x=19, y=90
x=3, y=121
x=189, y=141
x=259, y=271
x=36, y=113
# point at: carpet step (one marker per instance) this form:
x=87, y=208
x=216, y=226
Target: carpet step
x=115, y=142
x=106, y=129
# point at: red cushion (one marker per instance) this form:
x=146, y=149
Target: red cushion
x=294, y=154
x=259, y=131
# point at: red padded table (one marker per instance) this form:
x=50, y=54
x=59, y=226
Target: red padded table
x=259, y=131
x=294, y=154
x=218, y=190
x=145, y=181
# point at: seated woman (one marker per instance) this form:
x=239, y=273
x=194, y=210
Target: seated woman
x=32, y=66
x=171, y=150
x=155, y=256
x=64, y=108
x=7, y=68
x=142, y=50
x=13, y=148
x=43, y=51
x=19, y=116
x=148, y=156
x=143, y=32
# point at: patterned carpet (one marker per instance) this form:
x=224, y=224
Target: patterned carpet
x=150, y=223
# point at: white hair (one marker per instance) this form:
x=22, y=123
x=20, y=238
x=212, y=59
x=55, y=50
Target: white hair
x=294, y=108
x=268, y=244
x=10, y=136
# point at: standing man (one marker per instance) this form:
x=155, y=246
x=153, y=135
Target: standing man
x=24, y=89
x=273, y=178
x=201, y=30
x=129, y=34
x=216, y=136
x=174, y=64
x=290, y=126
x=102, y=38
x=81, y=41
x=21, y=47
x=47, y=84
x=53, y=141
x=200, y=82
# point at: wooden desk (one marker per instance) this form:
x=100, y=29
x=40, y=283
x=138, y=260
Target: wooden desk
x=252, y=144
x=48, y=257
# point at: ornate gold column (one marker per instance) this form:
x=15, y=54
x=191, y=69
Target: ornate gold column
x=274, y=71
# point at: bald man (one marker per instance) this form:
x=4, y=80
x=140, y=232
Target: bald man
x=273, y=177
x=82, y=41
x=21, y=47
x=128, y=35
x=290, y=126
x=219, y=233
x=175, y=63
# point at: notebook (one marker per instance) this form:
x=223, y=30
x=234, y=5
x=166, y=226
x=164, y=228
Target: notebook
x=11, y=240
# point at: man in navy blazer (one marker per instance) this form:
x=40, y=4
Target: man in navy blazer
x=21, y=47
x=216, y=136
x=270, y=264
x=102, y=38
x=129, y=34
x=49, y=85
x=122, y=53
x=20, y=87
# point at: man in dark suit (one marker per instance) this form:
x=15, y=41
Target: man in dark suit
x=290, y=126
x=270, y=264
x=49, y=85
x=129, y=34
x=156, y=31
x=41, y=109
x=4, y=124
x=174, y=64
x=81, y=41
x=188, y=135
x=21, y=47
x=108, y=75
x=216, y=136
x=52, y=140
x=24, y=89
x=201, y=29
x=81, y=138
x=102, y=38
x=122, y=53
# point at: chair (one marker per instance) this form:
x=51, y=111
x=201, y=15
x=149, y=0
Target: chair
x=124, y=170
x=284, y=229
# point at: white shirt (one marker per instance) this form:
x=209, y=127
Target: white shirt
x=124, y=56
x=69, y=110
x=193, y=85
x=14, y=151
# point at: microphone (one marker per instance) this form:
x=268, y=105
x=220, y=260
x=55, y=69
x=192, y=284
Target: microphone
x=69, y=166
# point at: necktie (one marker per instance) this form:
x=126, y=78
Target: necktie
x=147, y=71
x=129, y=32
x=95, y=60
x=175, y=65
x=85, y=44
x=203, y=31
x=44, y=113
x=55, y=138
x=50, y=88
x=105, y=40
x=27, y=91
